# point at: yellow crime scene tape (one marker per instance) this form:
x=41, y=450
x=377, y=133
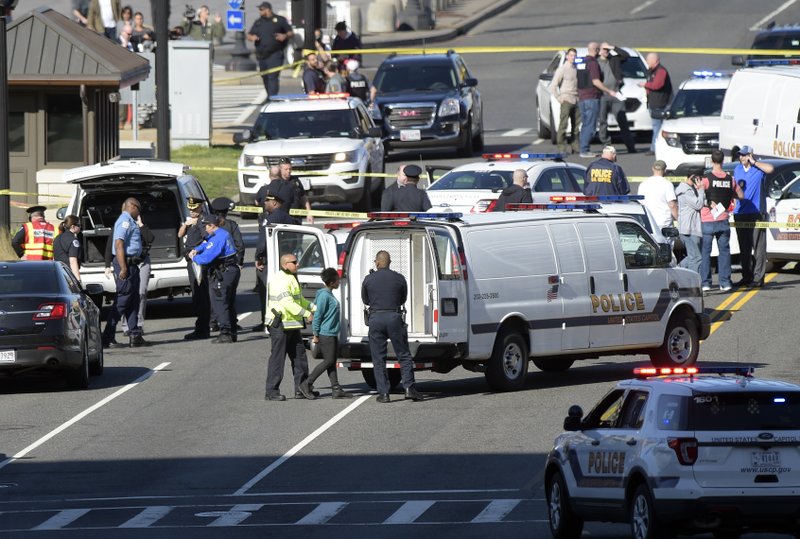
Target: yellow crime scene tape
x=236, y=80
x=517, y=49
x=305, y=173
x=764, y=224
x=9, y=192
x=306, y=213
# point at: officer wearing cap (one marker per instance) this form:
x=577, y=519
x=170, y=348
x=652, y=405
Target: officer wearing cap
x=220, y=206
x=192, y=231
x=218, y=253
x=385, y=292
x=271, y=34
x=67, y=247
x=34, y=240
x=273, y=214
x=127, y=240
x=410, y=198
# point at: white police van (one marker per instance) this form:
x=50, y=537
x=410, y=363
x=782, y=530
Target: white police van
x=680, y=450
x=490, y=292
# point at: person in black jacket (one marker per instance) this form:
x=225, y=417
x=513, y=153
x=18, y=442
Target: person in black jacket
x=659, y=92
x=220, y=207
x=611, y=67
x=516, y=193
x=410, y=198
x=67, y=246
x=193, y=232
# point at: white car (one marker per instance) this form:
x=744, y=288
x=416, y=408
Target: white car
x=686, y=450
x=332, y=143
x=783, y=244
x=634, y=71
x=475, y=187
x=691, y=123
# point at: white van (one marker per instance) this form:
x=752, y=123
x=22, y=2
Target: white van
x=491, y=291
x=761, y=109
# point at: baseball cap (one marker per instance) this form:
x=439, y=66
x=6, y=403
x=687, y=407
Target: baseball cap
x=264, y=5
x=210, y=219
x=660, y=165
x=744, y=150
x=272, y=196
x=222, y=204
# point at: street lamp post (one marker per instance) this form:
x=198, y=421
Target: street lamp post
x=5, y=169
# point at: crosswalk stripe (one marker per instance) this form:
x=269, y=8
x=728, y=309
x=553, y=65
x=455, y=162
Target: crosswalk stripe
x=409, y=512
x=148, y=517
x=496, y=511
x=517, y=132
x=322, y=513
x=237, y=515
x=63, y=518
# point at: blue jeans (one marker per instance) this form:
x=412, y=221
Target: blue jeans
x=721, y=230
x=693, y=258
x=656, y=128
x=589, y=108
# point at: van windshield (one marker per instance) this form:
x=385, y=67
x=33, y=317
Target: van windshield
x=693, y=103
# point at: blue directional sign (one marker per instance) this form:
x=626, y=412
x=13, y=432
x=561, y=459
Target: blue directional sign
x=235, y=4
x=234, y=20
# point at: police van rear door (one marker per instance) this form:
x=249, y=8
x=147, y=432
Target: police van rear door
x=448, y=291
x=315, y=250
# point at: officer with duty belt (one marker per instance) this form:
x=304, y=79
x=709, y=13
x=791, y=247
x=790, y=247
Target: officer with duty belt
x=219, y=254
x=193, y=231
x=409, y=198
x=221, y=206
x=385, y=292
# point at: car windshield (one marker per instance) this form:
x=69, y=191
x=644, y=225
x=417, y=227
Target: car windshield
x=30, y=280
x=305, y=124
x=415, y=78
x=691, y=103
x=634, y=68
x=474, y=179
x=777, y=41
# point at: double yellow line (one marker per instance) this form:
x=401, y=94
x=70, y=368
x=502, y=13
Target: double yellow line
x=722, y=313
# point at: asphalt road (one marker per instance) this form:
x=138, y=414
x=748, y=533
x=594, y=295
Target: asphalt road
x=178, y=438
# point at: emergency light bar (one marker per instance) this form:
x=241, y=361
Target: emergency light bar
x=711, y=74
x=497, y=156
x=306, y=97
x=595, y=198
x=773, y=62
x=645, y=372
x=449, y=216
x=338, y=226
x=529, y=206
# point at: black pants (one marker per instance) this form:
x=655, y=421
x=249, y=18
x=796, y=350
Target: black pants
x=285, y=342
x=615, y=107
x=126, y=303
x=272, y=81
x=383, y=326
x=330, y=347
x=201, y=304
x=261, y=291
x=752, y=248
x=222, y=291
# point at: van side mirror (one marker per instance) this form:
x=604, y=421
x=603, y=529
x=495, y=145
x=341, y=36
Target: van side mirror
x=61, y=213
x=774, y=193
x=94, y=289
x=470, y=82
x=661, y=114
x=664, y=253
x=574, y=420
x=242, y=137
x=737, y=60
x=670, y=232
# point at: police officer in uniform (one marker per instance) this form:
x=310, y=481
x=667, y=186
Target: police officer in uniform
x=273, y=214
x=34, y=240
x=67, y=247
x=605, y=176
x=127, y=240
x=410, y=198
x=193, y=231
x=220, y=207
x=385, y=292
x=219, y=253
x=357, y=83
x=271, y=34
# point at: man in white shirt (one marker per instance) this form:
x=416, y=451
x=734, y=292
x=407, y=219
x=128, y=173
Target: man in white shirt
x=659, y=196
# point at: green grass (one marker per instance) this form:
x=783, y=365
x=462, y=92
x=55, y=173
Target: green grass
x=216, y=183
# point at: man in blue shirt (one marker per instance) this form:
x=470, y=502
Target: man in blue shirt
x=218, y=252
x=750, y=174
x=127, y=256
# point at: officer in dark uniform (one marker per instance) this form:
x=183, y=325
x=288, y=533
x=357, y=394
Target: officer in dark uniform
x=193, y=231
x=221, y=206
x=605, y=176
x=385, y=292
x=411, y=198
x=273, y=214
x=271, y=34
x=219, y=253
x=67, y=247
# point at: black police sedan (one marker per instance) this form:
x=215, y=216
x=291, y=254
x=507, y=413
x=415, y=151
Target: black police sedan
x=48, y=322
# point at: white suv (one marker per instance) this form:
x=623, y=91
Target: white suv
x=691, y=123
x=680, y=450
x=331, y=140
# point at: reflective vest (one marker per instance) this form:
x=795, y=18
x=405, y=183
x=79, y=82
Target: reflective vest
x=286, y=297
x=38, y=244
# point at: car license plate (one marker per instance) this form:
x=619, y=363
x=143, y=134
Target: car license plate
x=306, y=183
x=409, y=135
x=763, y=459
x=8, y=356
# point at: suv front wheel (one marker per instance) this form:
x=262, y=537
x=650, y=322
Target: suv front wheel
x=467, y=147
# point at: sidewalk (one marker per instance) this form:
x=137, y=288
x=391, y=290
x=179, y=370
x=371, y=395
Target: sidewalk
x=451, y=22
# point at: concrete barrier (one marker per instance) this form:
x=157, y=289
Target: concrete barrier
x=381, y=17
x=398, y=6
x=355, y=20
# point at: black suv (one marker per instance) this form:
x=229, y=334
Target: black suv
x=774, y=38
x=427, y=101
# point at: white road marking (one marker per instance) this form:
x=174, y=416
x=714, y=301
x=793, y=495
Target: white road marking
x=496, y=511
x=307, y=440
x=516, y=132
x=322, y=513
x=409, y=512
x=538, y=141
x=757, y=26
x=81, y=415
x=237, y=514
x=646, y=5
x=243, y=316
x=148, y=517
x=63, y=518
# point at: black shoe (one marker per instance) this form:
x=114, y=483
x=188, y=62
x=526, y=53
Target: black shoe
x=313, y=391
x=275, y=397
x=305, y=392
x=338, y=393
x=259, y=328
x=214, y=326
x=223, y=338
x=235, y=337
x=756, y=284
x=383, y=399
x=137, y=341
x=414, y=395
x=742, y=282
x=196, y=336
x=126, y=333
x=632, y=150
x=239, y=328
x=113, y=344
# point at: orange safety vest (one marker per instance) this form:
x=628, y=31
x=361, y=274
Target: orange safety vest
x=38, y=241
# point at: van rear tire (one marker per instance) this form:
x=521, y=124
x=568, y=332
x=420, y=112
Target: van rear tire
x=552, y=364
x=681, y=344
x=394, y=376
x=508, y=366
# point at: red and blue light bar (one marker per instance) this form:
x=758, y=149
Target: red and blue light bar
x=446, y=216
x=646, y=372
x=595, y=198
x=308, y=97
x=521, y=156
x=559, y=206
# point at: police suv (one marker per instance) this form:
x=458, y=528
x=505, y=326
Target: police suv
x=331, y=140
x=491, y=292
x=680, y=450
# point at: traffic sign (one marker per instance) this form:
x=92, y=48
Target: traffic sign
x=234, y=19
x=235, y=4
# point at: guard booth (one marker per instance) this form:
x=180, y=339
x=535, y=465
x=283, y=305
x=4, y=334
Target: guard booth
x=64, y=82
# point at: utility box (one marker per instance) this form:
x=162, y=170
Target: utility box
x=190, y=92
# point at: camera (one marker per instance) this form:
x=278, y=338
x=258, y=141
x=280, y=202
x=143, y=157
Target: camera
x=190, y=12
